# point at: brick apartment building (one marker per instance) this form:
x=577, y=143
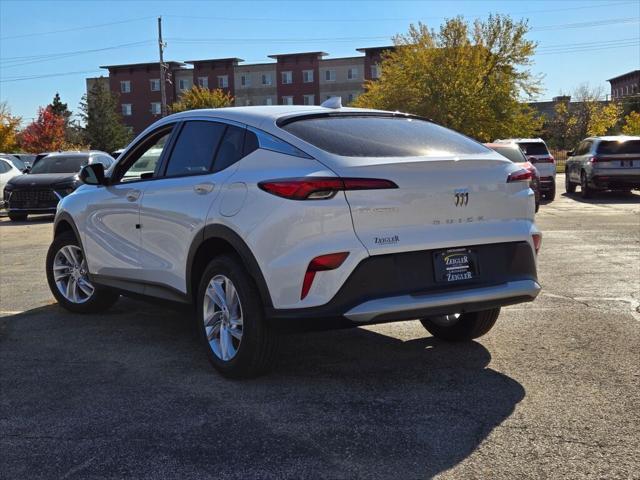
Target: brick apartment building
x=625, y=85
x=292, y=79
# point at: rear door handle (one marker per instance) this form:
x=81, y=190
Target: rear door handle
x=133, y=195
x=203, y=188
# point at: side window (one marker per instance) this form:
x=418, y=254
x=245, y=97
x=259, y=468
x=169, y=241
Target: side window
x=4, y=167
x=587, y=147
x=145, y=159
x=250, y=143
x=194, y=150
x=231, y=148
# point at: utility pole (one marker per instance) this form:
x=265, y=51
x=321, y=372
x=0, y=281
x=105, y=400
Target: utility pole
x=163, y=90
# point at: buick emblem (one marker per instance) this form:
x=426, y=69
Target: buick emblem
x=461, y=197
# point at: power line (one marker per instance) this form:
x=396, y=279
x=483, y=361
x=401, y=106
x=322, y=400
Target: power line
x=48, y=75
x=274, y=40
x=87, y=27
x=595, y=23
x=563, y=45
x=16, y=62
x=592, y=49
x=360, y=20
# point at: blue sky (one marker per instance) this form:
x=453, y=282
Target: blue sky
x=579, y=41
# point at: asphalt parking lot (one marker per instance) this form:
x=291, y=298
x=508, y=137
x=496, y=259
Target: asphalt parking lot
x=552, y=391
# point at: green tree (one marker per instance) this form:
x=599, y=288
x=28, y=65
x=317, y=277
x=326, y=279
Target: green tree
x=103, y=128
x=198, y=97
x=468, y=77
x=631, y=124
x=9, y=125
x=59, y=108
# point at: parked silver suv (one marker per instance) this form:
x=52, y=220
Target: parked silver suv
x=604, y=163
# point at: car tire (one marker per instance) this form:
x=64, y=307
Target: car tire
x=569, y=186
x=551, y=194
x=80, y=295
x=585, y=190
x=240, y=333
x=17, y=217
x=466, y=327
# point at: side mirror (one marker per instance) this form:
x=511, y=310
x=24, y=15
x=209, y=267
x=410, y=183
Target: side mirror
x=27, y=170
x=570, y=153
x=93, y=174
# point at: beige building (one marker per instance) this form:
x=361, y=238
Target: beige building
x=341, y=77
x=255, y=84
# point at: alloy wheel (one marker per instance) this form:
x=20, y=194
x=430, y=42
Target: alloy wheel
x=222, y=317
x=70, y=274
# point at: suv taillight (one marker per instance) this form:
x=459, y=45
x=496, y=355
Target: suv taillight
x=523, y=175
x=320, y=188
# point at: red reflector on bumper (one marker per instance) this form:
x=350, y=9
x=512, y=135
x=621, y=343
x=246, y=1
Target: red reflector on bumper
x=330, y=261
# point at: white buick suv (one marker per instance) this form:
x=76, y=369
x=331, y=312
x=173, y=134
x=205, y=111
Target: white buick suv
x=265, y=218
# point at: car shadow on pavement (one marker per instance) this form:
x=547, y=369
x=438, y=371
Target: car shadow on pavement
x=609, y=198
x=130, y=393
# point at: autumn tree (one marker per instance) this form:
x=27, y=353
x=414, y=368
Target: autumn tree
x=631, y=124
x=9, y=125
x=198, y=97
x=469, y=77
x=44, y=134
x=73, y=131
x=587, y=115
x=104, y=129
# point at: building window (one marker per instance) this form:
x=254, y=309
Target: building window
x=330, y=75
x=155, y=84
x=126, y=109
x=245, y=80
x=375, y=71
x=352, y=73
x=309, y=99
x=266, y=79
x=203, y=82
x=287, y=100
x=223, y=81
x=183, y=85
x=155, y=108
x=307, y=76
x=268, y=101
x=287, y=78
x=125, y=86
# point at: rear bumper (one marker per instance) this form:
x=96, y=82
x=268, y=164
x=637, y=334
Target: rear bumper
x=547, y=183
x=613, y=181
x=418, y=306
x=402, y=286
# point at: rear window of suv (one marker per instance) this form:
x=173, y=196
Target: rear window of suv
x=377, y=136
x=615, y=148
x=533, y=148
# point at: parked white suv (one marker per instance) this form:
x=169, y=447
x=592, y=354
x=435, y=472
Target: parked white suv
x=266, y=217
x=536, y=151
